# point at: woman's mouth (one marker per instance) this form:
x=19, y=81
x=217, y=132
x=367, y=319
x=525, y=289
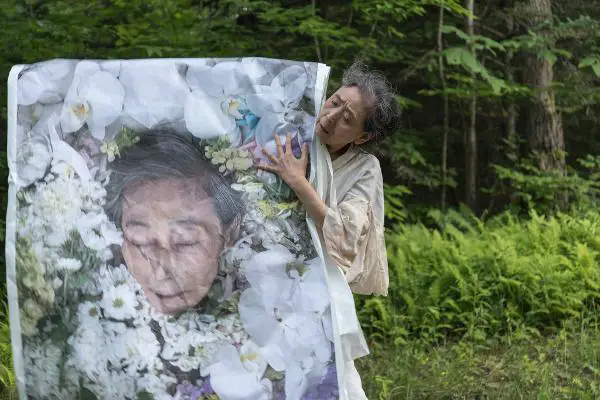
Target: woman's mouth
x=323, y=129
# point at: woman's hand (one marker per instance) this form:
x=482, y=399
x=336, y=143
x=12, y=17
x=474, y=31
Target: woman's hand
x=291, y=169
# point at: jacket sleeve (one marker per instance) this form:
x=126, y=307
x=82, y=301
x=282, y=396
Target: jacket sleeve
x=354, y=236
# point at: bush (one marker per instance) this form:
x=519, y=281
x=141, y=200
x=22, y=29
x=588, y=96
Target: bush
x=470, y=279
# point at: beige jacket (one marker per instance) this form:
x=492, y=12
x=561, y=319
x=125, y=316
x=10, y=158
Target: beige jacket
x=353, y=227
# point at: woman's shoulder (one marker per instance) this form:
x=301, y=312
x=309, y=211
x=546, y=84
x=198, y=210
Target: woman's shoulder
x=367, y=163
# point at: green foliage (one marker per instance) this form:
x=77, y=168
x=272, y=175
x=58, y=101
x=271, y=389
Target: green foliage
x=533, y=189
x=562, y=366
x=7, y=376
x=473, y=280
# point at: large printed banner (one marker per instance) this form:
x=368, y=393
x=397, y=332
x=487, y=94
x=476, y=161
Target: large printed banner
x=147, y=257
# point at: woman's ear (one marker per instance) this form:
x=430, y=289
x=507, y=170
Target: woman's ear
x=364, y=138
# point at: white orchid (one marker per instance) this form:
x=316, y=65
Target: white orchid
x=275, y=103
x=237, y=374
x=95, y=97
x=216, y=100
x=277, y=273
x=284, y=333
x=301, y=375
x=46, y=83
x=155, y=93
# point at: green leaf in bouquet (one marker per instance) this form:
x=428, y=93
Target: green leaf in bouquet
x=86, y=394
x=144, y=395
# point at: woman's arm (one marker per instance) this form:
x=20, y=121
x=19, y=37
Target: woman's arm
x=293, y=172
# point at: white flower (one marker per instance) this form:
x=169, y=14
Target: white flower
x=95, y=97
x=301, y=375
x=285, y=334
x=133, y=348
x=155, y=92
x=68, y=264
x=46, y=82
x=156, y=385
x=190, y=343
x=33, y=159
x=277, y=274
x=271, y=103
x=216, y=100
x=245, y=368
x=121, y=386
x=42, y=367
x=88, y=312
x=89, y=354
x=119, y=302
x=111, y=149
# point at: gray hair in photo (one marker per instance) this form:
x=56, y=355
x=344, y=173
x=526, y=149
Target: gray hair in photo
x=161, y=154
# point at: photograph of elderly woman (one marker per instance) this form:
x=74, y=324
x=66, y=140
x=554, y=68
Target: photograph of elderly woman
x=152, y=258
x=177, y=214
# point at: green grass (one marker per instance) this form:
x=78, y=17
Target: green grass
x=564, y=366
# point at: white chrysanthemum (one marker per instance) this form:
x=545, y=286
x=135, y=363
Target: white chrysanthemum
x=115, y=385
x=89, y=350
x=68, y=264
x=156, y=385
x=33, y=159
x=190, y=342
x=42, y=367
x=107, y=277
x=119, y=302
x=87, y=311
x=134, y=349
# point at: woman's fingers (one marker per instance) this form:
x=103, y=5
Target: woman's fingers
x=278, y=144
x=270, y=156
x=288, y=143
x=268, y=168
x=304, y=153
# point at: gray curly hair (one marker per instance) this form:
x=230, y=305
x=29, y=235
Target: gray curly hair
x=384, y=112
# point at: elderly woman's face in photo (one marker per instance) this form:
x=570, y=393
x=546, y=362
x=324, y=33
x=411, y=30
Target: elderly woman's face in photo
x=173, y=239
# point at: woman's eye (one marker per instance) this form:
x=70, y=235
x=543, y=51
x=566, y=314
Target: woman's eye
x=335, y=103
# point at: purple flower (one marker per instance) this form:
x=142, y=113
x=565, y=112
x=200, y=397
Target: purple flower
x=187, y=391
x=327, y=389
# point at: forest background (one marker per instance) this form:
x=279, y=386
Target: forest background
x=492, y=181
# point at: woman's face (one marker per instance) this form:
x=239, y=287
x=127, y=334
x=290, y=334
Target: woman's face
x=342, y=119
x=173, y=239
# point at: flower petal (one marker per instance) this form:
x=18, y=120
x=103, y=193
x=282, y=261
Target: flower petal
x=61, y=151
x=105, y=95
x=45, y=83
x=268, y=268
x=262, y=326
x=199, y=77
x=268, y=125
x=263, y=101
x=290, y=84
x=155, y=92
x=229, y=369
x=204, y=117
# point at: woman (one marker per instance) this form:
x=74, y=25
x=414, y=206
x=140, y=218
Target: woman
x=364, y=108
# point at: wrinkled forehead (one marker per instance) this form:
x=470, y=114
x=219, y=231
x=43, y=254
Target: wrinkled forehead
x=166, y=189
x=355, y=98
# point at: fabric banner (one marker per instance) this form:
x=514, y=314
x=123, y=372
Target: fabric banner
x=147, y=258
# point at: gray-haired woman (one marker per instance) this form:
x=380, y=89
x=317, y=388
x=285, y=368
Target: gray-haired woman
x=364, y=108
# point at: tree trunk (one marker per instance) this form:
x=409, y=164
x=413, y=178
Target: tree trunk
x=471, y=142
x=544, y=126
x=440, y=47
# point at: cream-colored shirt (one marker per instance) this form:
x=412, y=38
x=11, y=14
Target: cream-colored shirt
x=353, y=227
